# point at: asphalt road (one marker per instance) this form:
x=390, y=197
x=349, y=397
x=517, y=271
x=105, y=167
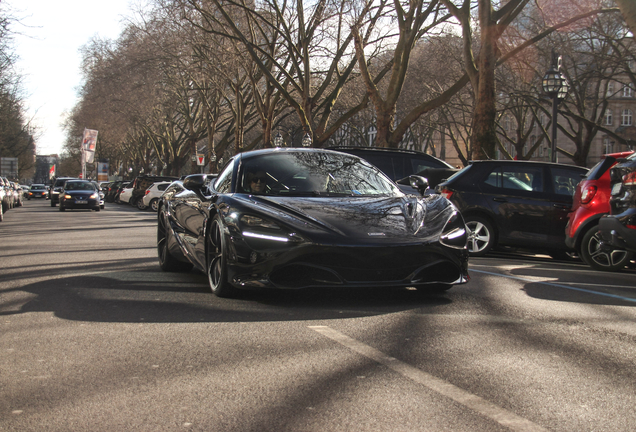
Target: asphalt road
x=94, y=337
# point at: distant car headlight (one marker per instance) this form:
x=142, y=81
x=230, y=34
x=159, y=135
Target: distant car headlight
x=94, y=196
x=454, y=233
x=67, y=196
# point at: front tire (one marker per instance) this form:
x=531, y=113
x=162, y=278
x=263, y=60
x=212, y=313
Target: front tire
x=167, y=262
x=481, y=236
x=217, y=260
x=602, y=256
x=140, y=204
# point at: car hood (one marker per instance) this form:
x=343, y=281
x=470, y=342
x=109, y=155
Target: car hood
x=373, y=218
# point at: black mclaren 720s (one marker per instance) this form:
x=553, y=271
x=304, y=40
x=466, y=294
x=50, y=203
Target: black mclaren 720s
x=290, y=218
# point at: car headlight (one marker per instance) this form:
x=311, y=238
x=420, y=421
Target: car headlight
x=454, y=233
x=94, y=196
x=258, y=222
x=67, y=196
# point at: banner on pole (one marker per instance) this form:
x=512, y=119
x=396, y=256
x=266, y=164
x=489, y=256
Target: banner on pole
x=51, y=171
x=200, y=160
x=89, y=142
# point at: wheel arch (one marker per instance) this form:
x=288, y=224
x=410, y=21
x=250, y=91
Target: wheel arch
x=467, y=214
x=587, y=225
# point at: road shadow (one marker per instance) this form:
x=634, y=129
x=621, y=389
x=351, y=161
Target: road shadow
x=153, y=296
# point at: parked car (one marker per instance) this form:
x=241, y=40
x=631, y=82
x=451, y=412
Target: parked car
x=518, y=204
x=37, y=191
x=56, y=188
x=125, y=194
x=100, y=192
x=151, y=198
x=591, y=202
x=17, y=194
x=140, y=184
x=113, y=189
x=25, y=191
x=399, y=164
x=296, y=218
x=618, y=229
x=79, y=194
x=8, y=197
x=3, y=199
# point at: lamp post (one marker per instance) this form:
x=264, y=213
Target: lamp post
x=556, y=87
x=278, y=140
x=306, y=140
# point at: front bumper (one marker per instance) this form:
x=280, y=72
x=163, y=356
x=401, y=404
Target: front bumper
x=614, y=229
x=312, y=265
x=72, y=204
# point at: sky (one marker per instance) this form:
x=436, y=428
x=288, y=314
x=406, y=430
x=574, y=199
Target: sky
x=50, y=34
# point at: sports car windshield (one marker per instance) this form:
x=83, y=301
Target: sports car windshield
x=312, y=174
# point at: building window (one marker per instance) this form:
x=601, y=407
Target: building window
x=507, y=123
x=626, y=118
x=608, y=117
x=610, y=89
x=608, y=145
x=628, y=91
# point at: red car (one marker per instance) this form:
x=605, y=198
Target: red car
x=591, y=202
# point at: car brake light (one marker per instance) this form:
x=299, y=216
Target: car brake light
x=446, y=192
x=588, y=194
x=147, y=192
x=630, y=179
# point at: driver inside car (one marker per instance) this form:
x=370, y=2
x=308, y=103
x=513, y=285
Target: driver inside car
x=256, y=182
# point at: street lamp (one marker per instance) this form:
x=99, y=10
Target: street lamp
x=278, y=140
x=307, y=140
x=556, y=86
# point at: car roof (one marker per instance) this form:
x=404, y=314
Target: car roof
x=517, y=162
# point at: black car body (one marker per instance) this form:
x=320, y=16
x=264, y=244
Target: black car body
x=618, y=229
x=399, y=165
x=56, y=189
x=37, y=191
x=326, y=219
x=79, y=194
x=514, y=203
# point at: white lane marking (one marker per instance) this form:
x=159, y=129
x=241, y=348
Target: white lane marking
x=469, y=400
x=538, y=280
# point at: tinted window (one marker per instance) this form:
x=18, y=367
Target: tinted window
x=312, y=174
x=223, y=183
x=565, y=180
x=524, y=178
x=162, y=187
x=600, y=168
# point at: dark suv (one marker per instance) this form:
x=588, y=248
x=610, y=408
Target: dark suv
x=591, y=202
x=142, y=183
x=514, y=203
x=618, y=229
x=56, y=187
x=399, y=164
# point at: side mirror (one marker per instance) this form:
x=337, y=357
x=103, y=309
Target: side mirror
x=419, y=183
x=194, y=182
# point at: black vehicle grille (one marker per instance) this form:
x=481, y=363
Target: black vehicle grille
x=367, y=266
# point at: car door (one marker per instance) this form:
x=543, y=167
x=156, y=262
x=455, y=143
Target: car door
x=562, y=184
x=520, y=204
x=190, y=212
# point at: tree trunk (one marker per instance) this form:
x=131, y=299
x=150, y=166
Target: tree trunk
x=484, y=138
